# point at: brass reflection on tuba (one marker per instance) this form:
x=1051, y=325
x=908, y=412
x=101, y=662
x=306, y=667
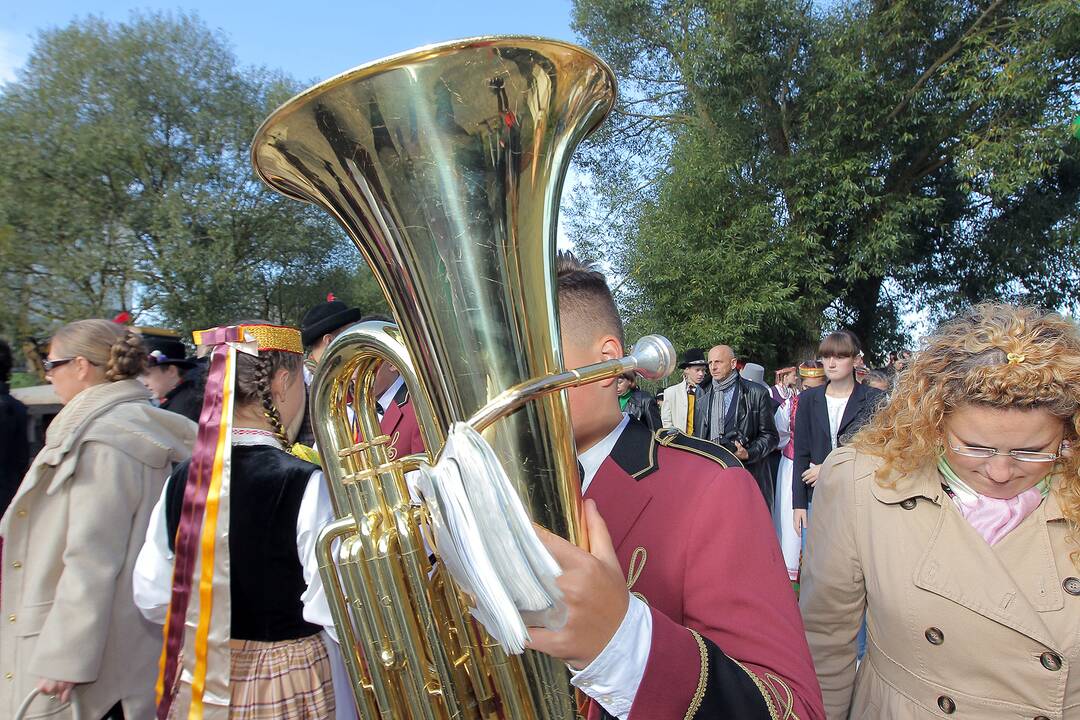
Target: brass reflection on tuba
x=445, y=166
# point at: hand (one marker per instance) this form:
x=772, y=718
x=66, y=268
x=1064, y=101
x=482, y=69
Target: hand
x=56, y=689
x=809, y=475
x=798, y=519
x=740, y=451
x=594, y=590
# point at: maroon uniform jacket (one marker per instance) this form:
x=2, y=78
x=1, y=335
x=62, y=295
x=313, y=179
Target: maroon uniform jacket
x=697, y=544
x=399, y=422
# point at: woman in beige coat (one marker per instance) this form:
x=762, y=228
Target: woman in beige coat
x=951, y=522
x=74, y=529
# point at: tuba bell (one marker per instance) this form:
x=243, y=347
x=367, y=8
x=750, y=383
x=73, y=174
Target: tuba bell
x=445, y=166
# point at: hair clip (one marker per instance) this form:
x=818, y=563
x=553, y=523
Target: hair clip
x=1015, y=358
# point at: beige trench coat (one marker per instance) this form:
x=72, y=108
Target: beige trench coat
x=956, y=628
x=71, y=536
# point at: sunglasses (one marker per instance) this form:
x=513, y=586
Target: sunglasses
x=51, y=365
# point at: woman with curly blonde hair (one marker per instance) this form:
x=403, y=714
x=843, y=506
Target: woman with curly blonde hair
x=951, y=521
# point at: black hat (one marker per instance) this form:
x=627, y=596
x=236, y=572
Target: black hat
x=166, y=351
x=326, y=318
x=692, y=356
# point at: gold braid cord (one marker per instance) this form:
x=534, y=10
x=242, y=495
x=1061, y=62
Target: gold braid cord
x=703, y=678
x=775, y=692
x=769, y=693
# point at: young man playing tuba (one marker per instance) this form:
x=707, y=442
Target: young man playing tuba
x=682, y=608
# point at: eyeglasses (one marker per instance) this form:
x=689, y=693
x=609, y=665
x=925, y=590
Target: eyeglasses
x=1020, y=455
x=50, y=365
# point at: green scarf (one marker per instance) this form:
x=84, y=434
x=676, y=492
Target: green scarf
x=963, y=490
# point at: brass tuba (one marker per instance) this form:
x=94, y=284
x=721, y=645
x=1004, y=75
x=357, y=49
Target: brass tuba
x=445, y=166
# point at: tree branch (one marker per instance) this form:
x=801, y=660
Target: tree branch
x=948, y=55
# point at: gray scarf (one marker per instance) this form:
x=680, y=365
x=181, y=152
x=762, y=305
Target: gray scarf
x=716, y=405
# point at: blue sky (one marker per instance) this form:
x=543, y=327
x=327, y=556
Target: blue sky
x=309, y=39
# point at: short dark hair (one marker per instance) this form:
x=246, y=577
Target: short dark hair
x=5, y=361
x=841, y=343
x=585, y=300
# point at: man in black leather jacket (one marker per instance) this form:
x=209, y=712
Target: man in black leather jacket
x=738, y=414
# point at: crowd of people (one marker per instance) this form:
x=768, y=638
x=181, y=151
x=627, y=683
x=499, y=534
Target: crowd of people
x=842, y=543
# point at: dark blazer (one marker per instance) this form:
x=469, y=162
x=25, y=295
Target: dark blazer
x=14, y=445
x=813, y=440
x=750, y=421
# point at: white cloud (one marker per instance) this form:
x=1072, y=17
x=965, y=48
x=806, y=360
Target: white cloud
x=14, y=49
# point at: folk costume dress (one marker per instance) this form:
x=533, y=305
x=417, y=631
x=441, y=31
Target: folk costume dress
x=790, y=541
x=237, y=644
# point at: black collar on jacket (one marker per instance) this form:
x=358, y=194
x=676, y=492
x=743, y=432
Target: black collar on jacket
x=635, y=450
x=402, y=395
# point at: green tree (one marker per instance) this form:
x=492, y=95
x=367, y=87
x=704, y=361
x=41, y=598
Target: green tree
x=779, y=166
x=126, y=184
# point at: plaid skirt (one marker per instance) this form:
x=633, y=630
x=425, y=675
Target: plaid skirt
x=287, y=680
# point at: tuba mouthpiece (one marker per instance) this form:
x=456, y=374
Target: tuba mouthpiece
x=655, y=357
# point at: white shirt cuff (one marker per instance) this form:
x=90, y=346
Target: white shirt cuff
x=613, y=677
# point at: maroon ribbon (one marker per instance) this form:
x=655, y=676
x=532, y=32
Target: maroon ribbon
x=200, y=470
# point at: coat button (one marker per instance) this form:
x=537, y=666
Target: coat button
x=909, y=504
x=11, y=618
x=16, y=564
x=935, y=636
x=946, y=704
x=8, y=676
x=1071, y=585
x=21, y=513
x=1050, y=661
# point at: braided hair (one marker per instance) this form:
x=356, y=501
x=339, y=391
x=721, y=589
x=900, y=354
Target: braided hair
x=254, y=375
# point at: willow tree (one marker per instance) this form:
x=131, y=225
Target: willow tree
x=776, y=166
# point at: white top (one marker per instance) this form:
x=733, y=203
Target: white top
x=836, y=408
x=782, y=418
x=152, y=580
x=613, y=677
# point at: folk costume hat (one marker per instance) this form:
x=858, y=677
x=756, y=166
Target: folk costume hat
x=197, y=627
x=691, y=357
x=811, y=370
x=325, y=318
x=164, y=351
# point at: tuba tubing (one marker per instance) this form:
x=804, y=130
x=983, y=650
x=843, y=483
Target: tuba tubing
x=444, y=165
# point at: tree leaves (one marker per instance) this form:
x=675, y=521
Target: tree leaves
x=789, y=166
x=126, y=184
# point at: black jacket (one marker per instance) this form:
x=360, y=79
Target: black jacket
x=750, y=422
x=642, y=406
x=14, y=446
x=813, y=438
x=185, y=399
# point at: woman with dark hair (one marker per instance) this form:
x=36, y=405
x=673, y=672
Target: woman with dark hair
x=951, y=521
x=827, y=417
x=74, y=528
x=259, y=657
x=14, y=441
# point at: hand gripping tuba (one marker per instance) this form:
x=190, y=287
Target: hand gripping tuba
x=445, y=166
